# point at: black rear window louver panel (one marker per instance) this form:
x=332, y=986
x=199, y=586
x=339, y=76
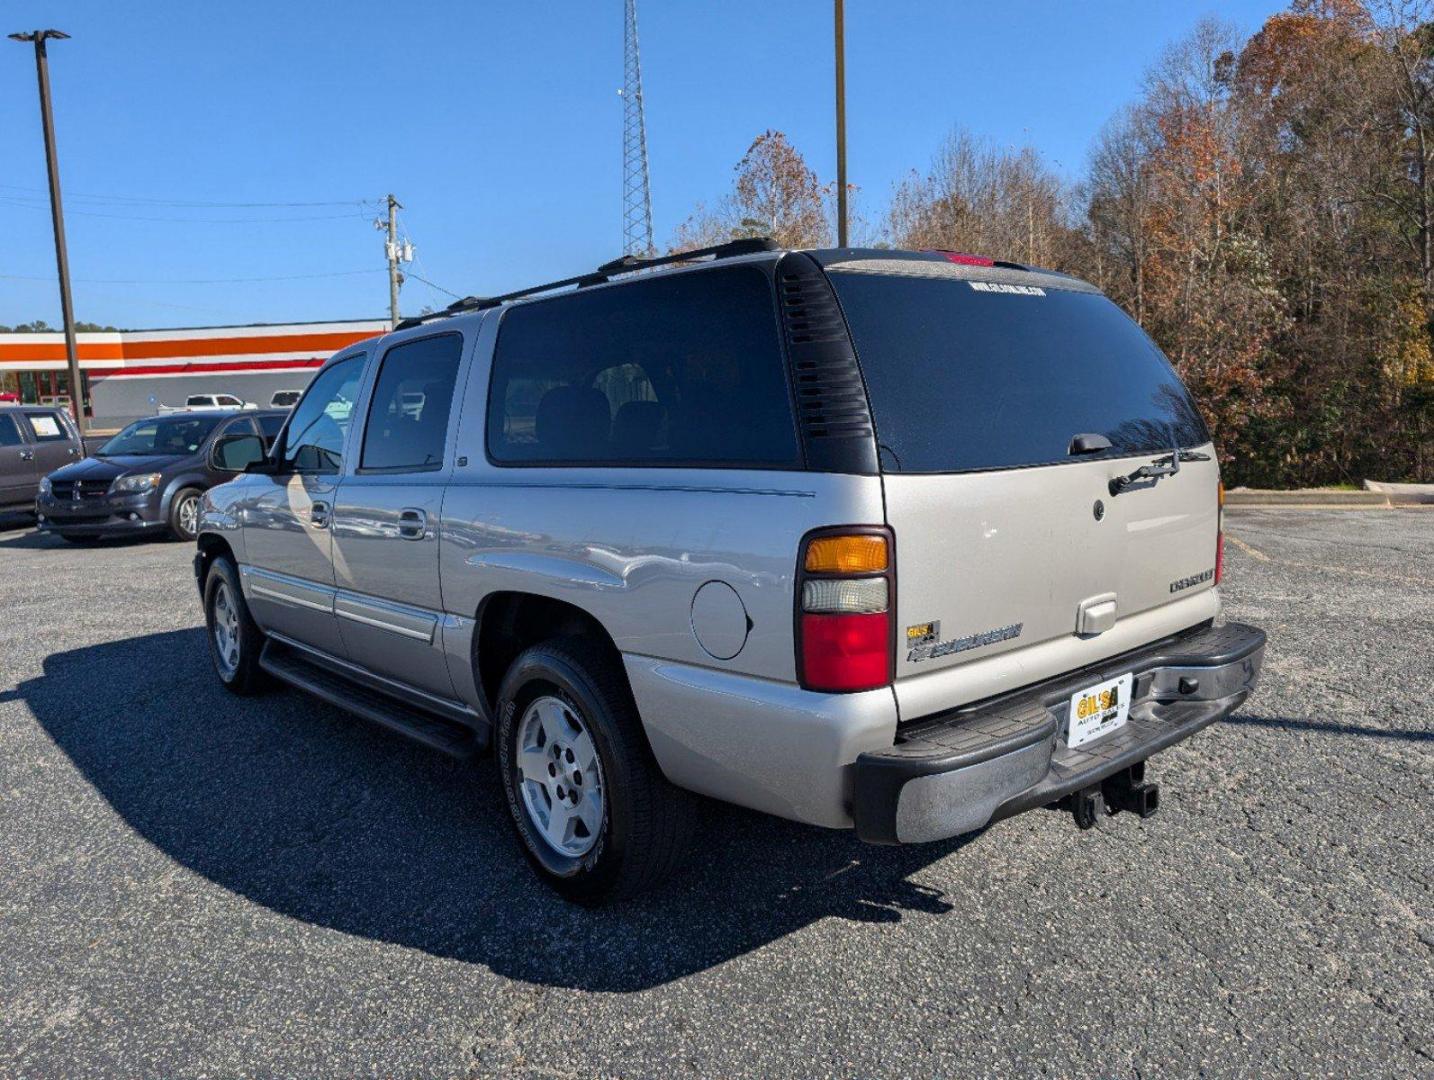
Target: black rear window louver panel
x=833, y=415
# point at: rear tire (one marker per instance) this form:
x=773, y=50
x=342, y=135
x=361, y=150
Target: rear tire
x=234, y=638
x=560, y=701
x=184, y=514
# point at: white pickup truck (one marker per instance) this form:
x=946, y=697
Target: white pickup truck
x=208, y=401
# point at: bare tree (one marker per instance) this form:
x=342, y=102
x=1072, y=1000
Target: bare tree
x=976, y=197
x=1118, y=193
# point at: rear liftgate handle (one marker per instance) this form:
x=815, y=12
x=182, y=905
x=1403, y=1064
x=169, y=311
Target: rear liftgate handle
x=412, y=524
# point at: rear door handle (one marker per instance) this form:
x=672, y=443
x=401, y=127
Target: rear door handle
x=412, y=524
x=27, y=455
x=319, y=515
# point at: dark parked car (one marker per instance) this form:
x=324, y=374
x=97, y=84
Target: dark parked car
x=149, y=477
x=34, y=440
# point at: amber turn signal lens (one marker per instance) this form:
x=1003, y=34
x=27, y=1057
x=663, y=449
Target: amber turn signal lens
x=847, y=554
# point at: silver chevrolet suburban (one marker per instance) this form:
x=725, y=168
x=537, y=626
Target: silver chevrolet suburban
x=901, y=541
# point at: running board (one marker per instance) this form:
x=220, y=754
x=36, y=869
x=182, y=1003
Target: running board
x=289, y=666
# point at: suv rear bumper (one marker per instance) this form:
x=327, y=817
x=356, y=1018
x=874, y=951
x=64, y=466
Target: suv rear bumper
x=956, y=772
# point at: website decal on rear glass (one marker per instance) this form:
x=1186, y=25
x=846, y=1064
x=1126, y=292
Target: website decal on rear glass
x=1013, y=290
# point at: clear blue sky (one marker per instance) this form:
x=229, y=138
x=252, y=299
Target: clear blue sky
x=497, y=125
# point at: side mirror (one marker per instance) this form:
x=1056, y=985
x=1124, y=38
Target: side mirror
x=237, y=453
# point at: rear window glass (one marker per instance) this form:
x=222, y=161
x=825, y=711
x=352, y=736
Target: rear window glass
x=676, y=369
x=965, y=376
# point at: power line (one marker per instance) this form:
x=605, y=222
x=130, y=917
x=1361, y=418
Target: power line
x=410, y=274
x=418, y=261
x=150, y=201
x=15, y=201
x=206, y=281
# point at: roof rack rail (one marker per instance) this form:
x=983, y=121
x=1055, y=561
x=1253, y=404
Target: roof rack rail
x=627, y=264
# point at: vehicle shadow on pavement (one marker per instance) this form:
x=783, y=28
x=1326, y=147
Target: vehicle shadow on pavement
x=314, y=814
x=34, y=540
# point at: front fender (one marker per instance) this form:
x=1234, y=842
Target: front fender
x=173, y=486
x=219, y=515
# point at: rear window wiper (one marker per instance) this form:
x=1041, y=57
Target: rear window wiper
x=1168, y=465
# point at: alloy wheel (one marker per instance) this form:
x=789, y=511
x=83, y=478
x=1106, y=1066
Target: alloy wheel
x=226, y=628
x=559, y=776
x=189, y=515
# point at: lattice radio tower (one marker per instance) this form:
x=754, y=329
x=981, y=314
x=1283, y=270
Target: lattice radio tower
x=636, y=189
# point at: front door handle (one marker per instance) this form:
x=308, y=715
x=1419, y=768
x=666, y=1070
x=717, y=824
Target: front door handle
x=412, y=524
x=27, y=455
x=74, y=452
x=319, y=515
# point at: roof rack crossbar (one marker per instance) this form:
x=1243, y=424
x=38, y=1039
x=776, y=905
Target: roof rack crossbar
x=746, y=246
x=627, y=264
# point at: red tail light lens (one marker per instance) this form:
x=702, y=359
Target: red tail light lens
x=845, y=588
x=846, y=652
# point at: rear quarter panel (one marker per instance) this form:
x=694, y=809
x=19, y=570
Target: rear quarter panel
x=631, y=546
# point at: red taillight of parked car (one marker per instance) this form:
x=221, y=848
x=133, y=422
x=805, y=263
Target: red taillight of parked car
x=845, y=586
x=1220, y=536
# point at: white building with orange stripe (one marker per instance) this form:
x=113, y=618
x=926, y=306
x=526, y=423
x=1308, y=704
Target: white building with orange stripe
x=130, y=373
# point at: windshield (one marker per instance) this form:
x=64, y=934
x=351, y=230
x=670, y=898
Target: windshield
x=161, y=435
x=965, y=375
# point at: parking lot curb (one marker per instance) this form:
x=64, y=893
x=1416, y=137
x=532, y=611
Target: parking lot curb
x=1307, y=499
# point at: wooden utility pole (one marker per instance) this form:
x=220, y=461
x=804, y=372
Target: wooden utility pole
x=393, y=253
x=841, y=123
x=57, y=212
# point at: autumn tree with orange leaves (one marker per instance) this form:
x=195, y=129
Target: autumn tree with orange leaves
x=774, y=193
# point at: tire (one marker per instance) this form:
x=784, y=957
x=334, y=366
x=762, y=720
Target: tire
x=184, y=514
x=234, y=639
x=644, y=822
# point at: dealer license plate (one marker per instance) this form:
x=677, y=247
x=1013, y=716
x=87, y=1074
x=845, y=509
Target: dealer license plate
x=1098, y=710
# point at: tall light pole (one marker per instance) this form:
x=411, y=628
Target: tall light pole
x=62, y=259
x=841, y=122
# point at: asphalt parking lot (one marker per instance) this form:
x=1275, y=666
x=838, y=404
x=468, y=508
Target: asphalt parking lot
x=195, y=885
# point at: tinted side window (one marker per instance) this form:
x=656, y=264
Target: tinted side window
x=671, y=370
x=47, y=427
x=408, y=417
x=238, y=427
x=270, y=426
x=9, y=433
x=314, y=439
